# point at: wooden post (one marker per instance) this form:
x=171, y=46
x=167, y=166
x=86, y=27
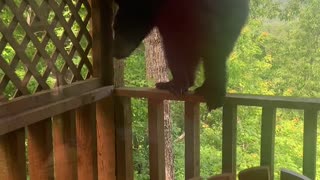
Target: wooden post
x=40, y=150
x=156, y=139
x=13, y=155
x=229, y=138
x=310, y=143
x=102, y=17
x=65, y=147
x=124, y=138
x=192, y=140
x=268, y=126
x=106, y=139
x=86, y=142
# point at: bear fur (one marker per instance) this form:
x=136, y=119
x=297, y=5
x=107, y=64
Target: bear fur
x=191, y=30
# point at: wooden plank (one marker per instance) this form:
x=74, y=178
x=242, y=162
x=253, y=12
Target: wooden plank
x=152, y=93
x=40, y=150
x=192, y=140
x=13, y=156
x=102, y=17
x=238, y=99
x=229, y=138
x=156, y=139
x=255, y=173
x=106, y=139
x=310, y=143
x=86, y=142
x=101, y=31
x=123, y=138
x=22, y=119
x=268, y=126
x=290, y=175
x=45, y=97
x=65, y=147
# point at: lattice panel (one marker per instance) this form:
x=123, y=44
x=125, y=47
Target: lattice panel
x=43, y=44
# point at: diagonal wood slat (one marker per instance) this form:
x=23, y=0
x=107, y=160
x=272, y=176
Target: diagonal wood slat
x=45, y=44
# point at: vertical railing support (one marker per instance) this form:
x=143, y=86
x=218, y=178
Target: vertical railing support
x=13, y=155
x=156, y=139
x=268, y=126
x=102, y=17
x=124, y=138
x=192, y=140
x=86, y=142
x=40, y=150
x=229, y=138
x=106, y=139
x=310, y=143
x=64, y=146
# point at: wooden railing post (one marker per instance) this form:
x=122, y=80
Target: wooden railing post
x=102, y=17
x=106, y=139
x=310, y=143
x=40, y=150
x=124, y=169
x=156, y=139
x=65, y=146
x=229, y=138
x=268, y=126
x=86, y=142
x=192, y=140
x=13, y=155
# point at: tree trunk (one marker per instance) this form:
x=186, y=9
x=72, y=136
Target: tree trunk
x=157, y=71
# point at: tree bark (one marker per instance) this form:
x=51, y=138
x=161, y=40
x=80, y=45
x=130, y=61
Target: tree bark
x=157, y=71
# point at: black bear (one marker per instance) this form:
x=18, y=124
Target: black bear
x=191, y=30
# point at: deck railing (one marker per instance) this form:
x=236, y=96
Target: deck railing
x=269, y=105
x=74, y=136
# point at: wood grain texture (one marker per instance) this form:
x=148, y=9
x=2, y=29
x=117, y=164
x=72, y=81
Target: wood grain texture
x=25, y=118
x=64, y=146
x=192, y=140
x=40, y=150
x=86, y=142
x=13, y=155
x=156, y=139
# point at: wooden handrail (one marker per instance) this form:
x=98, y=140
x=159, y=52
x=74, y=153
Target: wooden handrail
x=238, y=99
x=29, y=116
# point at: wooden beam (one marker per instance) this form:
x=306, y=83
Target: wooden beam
x=310, y=143
x=102, y=37
x=25, y=118
x=268, y=127
x=24, y=103
x=156, y=139
x=192, y=140
x=123, y=118
x=106, y=139
x=238, y=99
x=229, y=139
x=152, y=93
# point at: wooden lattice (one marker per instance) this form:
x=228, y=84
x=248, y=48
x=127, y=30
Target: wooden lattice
x=43, y=44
